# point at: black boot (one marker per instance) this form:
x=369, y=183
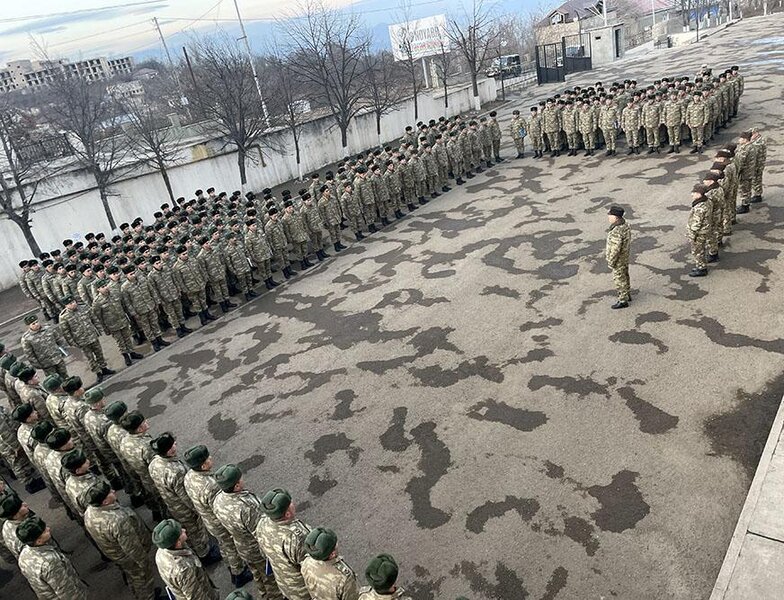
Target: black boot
x=630, y=150
x=318, y=256
x=695, y=272
x=307, y=262
x=202, y=318
x=155, y=345
x=712, y=258
x=372, y=228
x=127, y=359
x=755, y=199
x=693, y=150
x=479, y=169
x=651, y=150
x=268, y=283
x=398, y=215
x=678, y=149
x=359, y=236
x=231, y=304
x=241, y=579
x=469, y=175
x=106, y=372
x=213, y=556
x=136, y=355
x=342, y=247
x=587, y=153
x=384, y=221
x=248, y=297
x=742, y=209
x=519, y=155
x=209, y=316
x=423, y=201
x=460, y=181
x=252, y=294
x=434, y=195
x=636, y=149
x=302, y=265
x=336, y=246
x=161, y=342
x=224, y=308
x=180, y=333
x=445, y=189
x=620, y=304
x=35, y=485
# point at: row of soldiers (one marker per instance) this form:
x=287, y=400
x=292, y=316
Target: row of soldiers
x=736, y=172
x=664, y=113
x=87, y=448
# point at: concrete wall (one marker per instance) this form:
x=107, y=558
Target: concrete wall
x=603, y=46
x=69, y=205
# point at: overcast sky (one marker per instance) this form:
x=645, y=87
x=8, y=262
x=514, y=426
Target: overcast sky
x=83, y=28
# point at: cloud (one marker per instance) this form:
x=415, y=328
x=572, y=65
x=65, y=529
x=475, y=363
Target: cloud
x=46, y=24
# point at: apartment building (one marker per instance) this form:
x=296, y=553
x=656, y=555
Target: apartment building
x=26, y=74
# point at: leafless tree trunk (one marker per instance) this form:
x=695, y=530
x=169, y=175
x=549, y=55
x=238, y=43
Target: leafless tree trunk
x=327, y=48
x=405, y=44
x=382, y=82
x=474, y=35
x=443, y=62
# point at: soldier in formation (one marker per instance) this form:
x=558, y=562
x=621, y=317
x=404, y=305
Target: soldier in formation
x=617, y=254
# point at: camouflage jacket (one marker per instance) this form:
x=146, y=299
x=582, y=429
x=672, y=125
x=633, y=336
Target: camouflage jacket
x=517, y=128
x=79, y=327
x=137, y=454
x=550, y=119
x=183, y=574
x=418, y=167
x=283, y=544
x=746, y=155
x=213, y=263
x=55, y=404
x=239, y=513
x=74, y=410
x=453, y=152
x=697, y=114
x=619, y=238
x=535, y=126
x=70, y=287
x=257, y=246
x=51, y=575
x=311, y=218
x=700, y=217
x=485, y=136
x=569, y=119
x=276, y=235
x=137, y=298
x=109, y=312
x=585, y=120
x=651, y=115
x=236, y=259
x=202, y=489
x=189, y=276
x=119, y=532
x=13, y=543
x=77, y=485
x=163, y=285
x=442, y=158
x=330, y=579
x=608, y=116
x=97, y=426
x=168, y=474
x=9, y=443
x=368, y=593
x=716, y=196
x=50, y=288
x=32, y=394
x=329, y=209
x=431, y=165
x=495, y=130
x=630, y=118
x=393, y=183
x=407, y=173
x=24, y=435
x=672, y=113
x=761, y=145
x=85, y=290
x=34, y=284
x=42, y=347
x=351, y=203
x=58, y=475
x=363, y=188
x=380, y=188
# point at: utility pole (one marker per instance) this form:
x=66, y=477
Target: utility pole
x=604, y=11
x=163, y=42
x=252, y=66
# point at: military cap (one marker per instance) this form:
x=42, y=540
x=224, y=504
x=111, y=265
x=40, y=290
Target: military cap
x=616, y=211
x=22, y=412
x=287, y=203
x=101, y=283
x=718, y=166
x=320, y=543
x=71, y=267
x=699, y=188
x=30, y=319
x=30, y=529
x=41, y=430
x=96, y=493
x=285, y=193
x=55, y=252
x=272, y=211
x=227, y=477
x=9, y=505
x=196, y=456
x=48, y=262
x=73, y=459
x=239, y=595
x=723, y=153
x=166, y=533
x=132, y=420
x=275, y=503
x=7, y=361
x=26, y=373
x=72, y=384
x=58, y=438
x=17, y=368
x=163, y=443
x=68, y=299
x=709, y=176
x=115, y=410
x=93, y=395
x=381, y=573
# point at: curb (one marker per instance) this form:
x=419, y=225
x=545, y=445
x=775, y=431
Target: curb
x=727, y=570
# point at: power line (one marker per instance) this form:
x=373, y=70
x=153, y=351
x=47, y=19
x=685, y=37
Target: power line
x=78, y=12
x=100, y=33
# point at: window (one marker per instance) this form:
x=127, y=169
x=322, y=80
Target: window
x=556, y=18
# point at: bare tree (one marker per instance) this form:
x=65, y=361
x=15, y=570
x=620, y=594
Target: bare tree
x=224, y=92
x=383, y=85
x=327, y=50
x=443, y=61
x=404, y=40
x=90, y=117
x=474, y=35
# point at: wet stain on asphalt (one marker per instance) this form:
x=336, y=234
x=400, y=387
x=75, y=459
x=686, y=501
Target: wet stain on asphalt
x=582, y=532
x=434, y=462
x=500, y=412
x=509, y=584
x=652, y=419
x=221, y=429
x=478, y=518
x=343, y=408
x=497, y=290
x=318, y=487
x=717, y=333
x=621, y=505
x=330, y=443
x=394, y=438
x=580, y=386
x=638, y=338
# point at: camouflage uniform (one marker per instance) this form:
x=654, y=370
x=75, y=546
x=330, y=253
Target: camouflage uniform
x=51, y=292
x=77, y=485
x=42, y=349
x=109, y=312
x=730, y=183
x=672, y=116
x=314, y=225
x=330, y=579
x=716, y=196
x=296, y=234
x=517, y=129
x=123, y=537
x=696, y=119
x=58, y=476
x=132, y=484
x=51, y=575
x=183, y=574
x=259, y=251
x=368, y=593
x=759, y=165
x=585, y=123
x=329, y=209
x=213, y=264
x=239, y=513
x=630, y=123
x=191, y=281
x=238, y=265
x=569, y=125
x=700, y=229
x=163, y=285
x=442, y=162
x=74, y=410
x=746, y=155
x=608, y=117
x=352, y=209
x=96, y=425
x=617, y=254
x=455, y=155
x=55, y=404
x=33, y=394
x=80, y=328
x=551, y=124
x=139, y=303
x=535, y=129
x=282, y=542
x=202, y=489
x=495, y=136
x=168, y=474
x=138, y=454
x=651, y=119
x=276, y=236
x=85, y=290
x=10, y=541
x=11, y=450
x=420, y=175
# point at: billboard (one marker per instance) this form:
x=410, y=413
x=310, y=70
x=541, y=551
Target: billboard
x=424, y=37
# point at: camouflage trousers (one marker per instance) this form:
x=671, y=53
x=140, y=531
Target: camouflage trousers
x=487, y=151
x=519, y=144
x=58, y=369
x=458, y=170
x=419, y=187
x=123, y=339
x=19, y=462
x=219, y=289
x=497, y=148
x=537, y=141
x=610, y=136
x=717, y=229
x=589, y=139
x=674, y=135
x=268, y=589
x=198, y=299
x=697, y=136
x=300, y=250
x=699, y=244
x=409, y=193
x=432, y=182
x=443, y=175
x=265, y=268
x=94, y=354
x=173, y=310
x=728, y=213
x=554, y=139
x=620, y=275
x=652, y=137
x=744, y=190
x=281, y=257
x=139, y=577
x=572, y=141
x=370, y=213
x=244, y=281
x=317, y=240
x=148, y=323
x=633, y=137
x=226, y=544
x=756, y=185
x=333, y=231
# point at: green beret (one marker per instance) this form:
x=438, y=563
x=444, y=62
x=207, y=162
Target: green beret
x=41, y=430
x=52, y=382
x=58, y=438
x=30, y=319
x=30, y=529
x=275, y=503
x=22, y=411
x=7, y=361
x=101, y=283
x=195, y=457
x=26, y=373
x=227, y=477
x=9, y=505
x=73, y=459
x=17, y=368
x=320, y=543
x=72, y=384
x=96, y=494
x=239, y=595
x=166, y=533
x=132, y=420
x=115, y=411
x=93, y=395
x=381, y=573
x=163, y=443
x=67, y=299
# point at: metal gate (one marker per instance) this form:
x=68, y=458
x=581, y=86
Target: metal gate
x=571, y=55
